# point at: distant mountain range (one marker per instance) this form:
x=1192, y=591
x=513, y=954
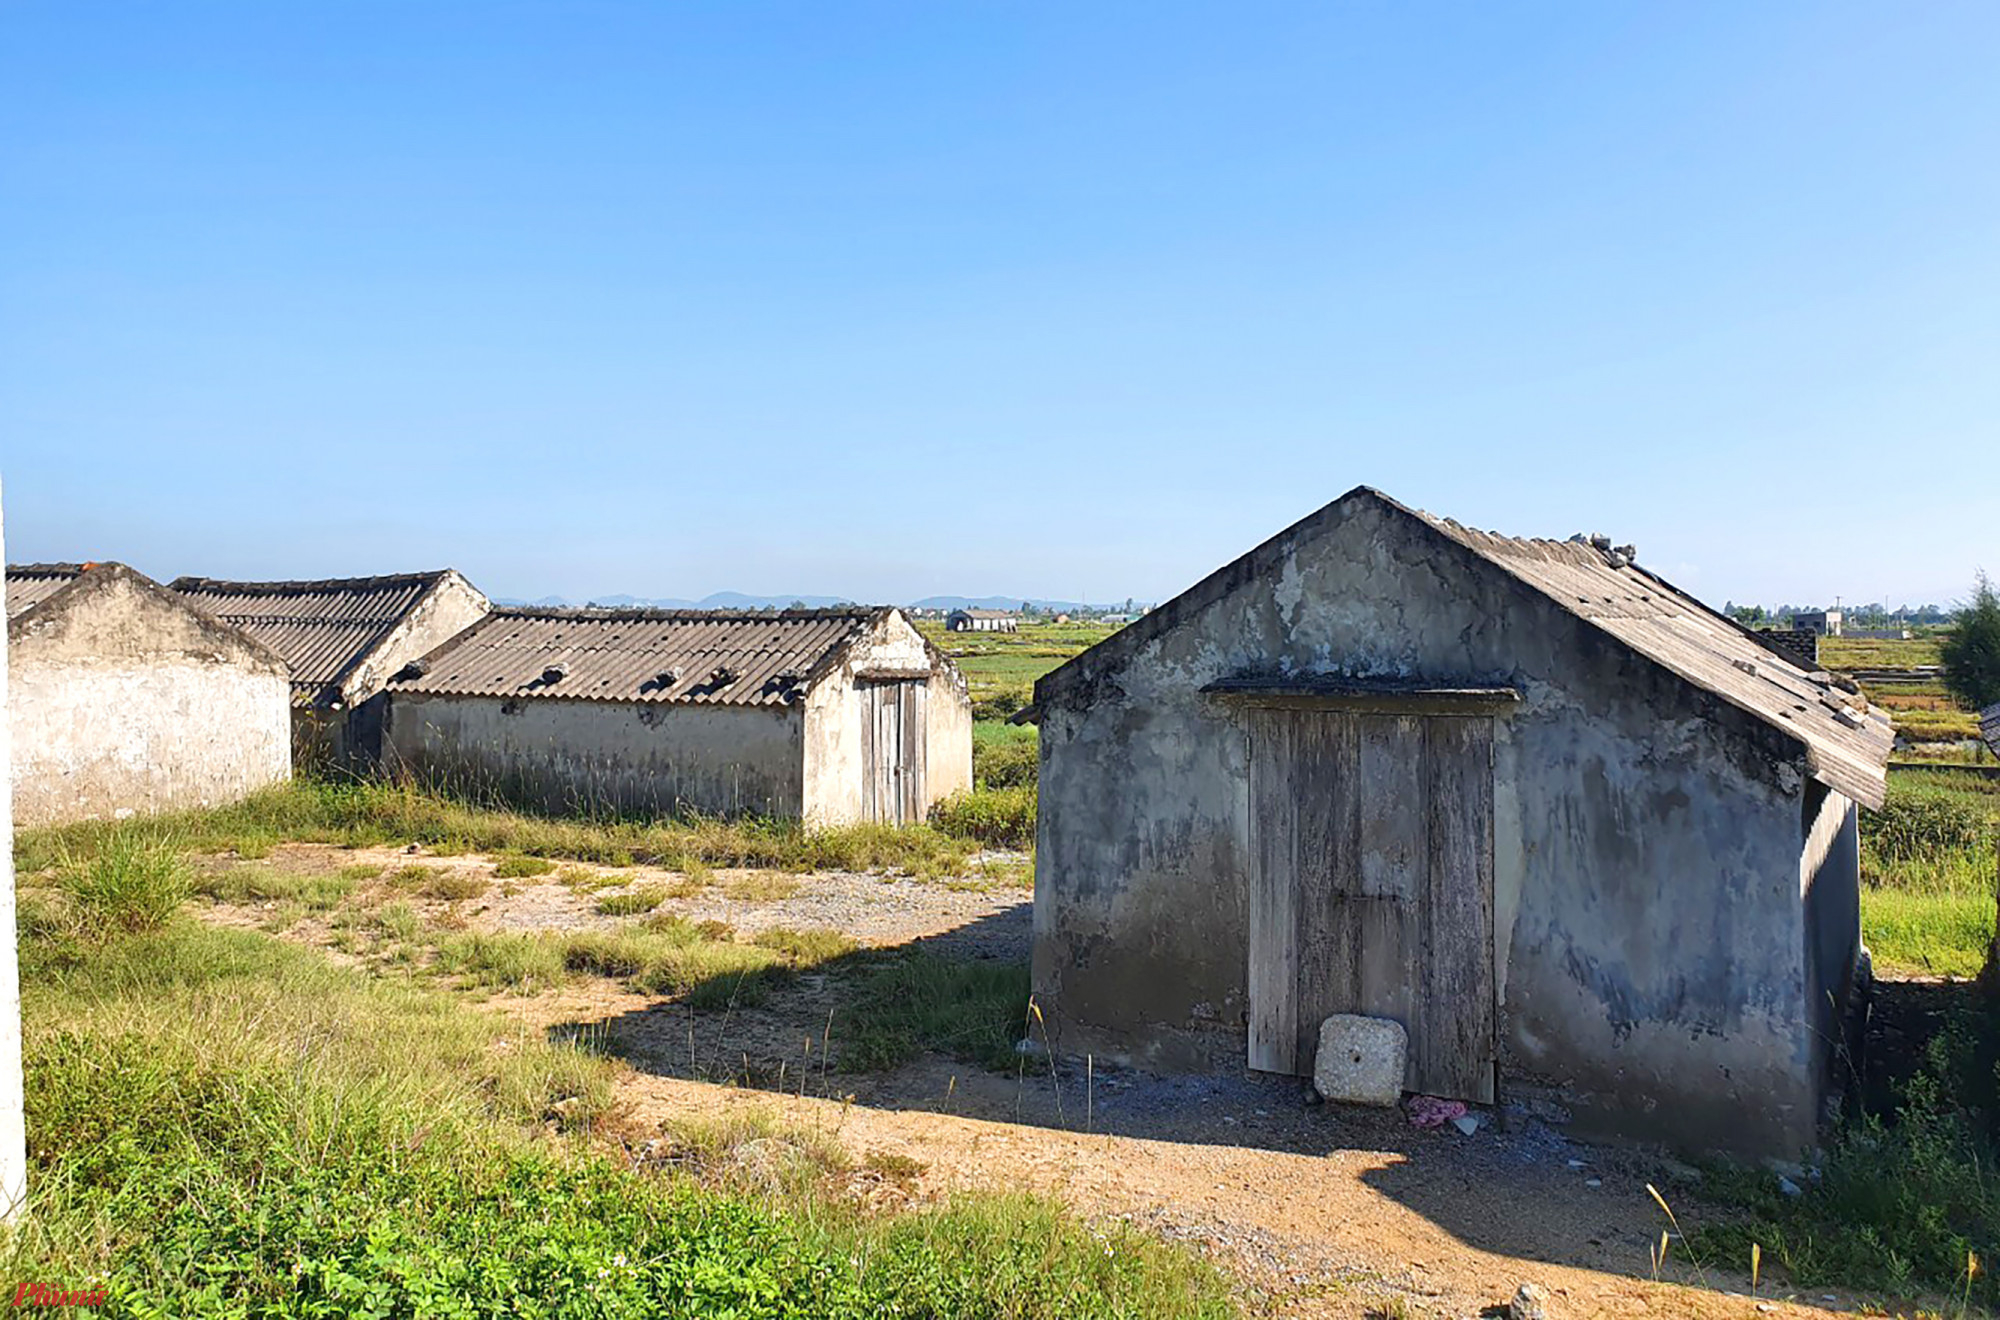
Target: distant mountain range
x=736, y=600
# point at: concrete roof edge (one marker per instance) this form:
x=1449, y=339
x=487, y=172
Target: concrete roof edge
x=101, y=576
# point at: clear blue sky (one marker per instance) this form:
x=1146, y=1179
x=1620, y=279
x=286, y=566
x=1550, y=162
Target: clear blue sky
x=882, y=300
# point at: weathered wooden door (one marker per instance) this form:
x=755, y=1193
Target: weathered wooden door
x=1373, y=889
x=892, y=751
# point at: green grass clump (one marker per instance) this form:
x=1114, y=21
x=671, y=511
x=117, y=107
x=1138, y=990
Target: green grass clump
x=631, y=902
x=1898, y=1205
x=805, y=948
x=505, y=960
x=131, y=881
x=455, y=886
x=520, y=866
x=918, y=1002
x=1942, y=931
x=315, y=891
x=259, y=1134
x=996, y=817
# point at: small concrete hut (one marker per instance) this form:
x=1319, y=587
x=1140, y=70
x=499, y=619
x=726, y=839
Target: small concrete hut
x=124, y=699
x=830, y=715
x=343, y=638
x=1591, y=843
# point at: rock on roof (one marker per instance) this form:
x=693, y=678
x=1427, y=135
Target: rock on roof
x=323, y=628
x=705, y=657
x=1847, y=745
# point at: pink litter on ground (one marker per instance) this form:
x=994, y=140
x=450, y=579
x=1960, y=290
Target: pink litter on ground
x=1427, y=1111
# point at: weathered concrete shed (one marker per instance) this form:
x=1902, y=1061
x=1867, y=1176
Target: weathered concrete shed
x=343, y=638
x=123, y=698
x=832, y=716
x=1989, y=727
x=1592, y=843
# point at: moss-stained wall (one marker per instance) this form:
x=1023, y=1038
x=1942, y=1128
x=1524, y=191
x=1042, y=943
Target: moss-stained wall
x=1650, y=942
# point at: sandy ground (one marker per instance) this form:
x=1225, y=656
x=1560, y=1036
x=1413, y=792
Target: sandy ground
x=1320, y=1210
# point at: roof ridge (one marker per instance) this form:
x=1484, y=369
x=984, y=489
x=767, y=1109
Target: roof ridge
x=247, y=588
x=651, y=614
x=49, y=570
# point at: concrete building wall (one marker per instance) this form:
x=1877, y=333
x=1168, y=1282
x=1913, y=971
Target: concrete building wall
x=123, y=699
x=834, y=714
x=351, y=736
x=631, y=756
x=1830, y=888
x=1650, y=940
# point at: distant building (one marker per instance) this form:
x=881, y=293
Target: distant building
x=1592, y=845
x=1802, y=644
x=343, y=638
x=124, y=699
x=975, y=620
x=1824, y=622
x=830, y=715
x=1989, y=727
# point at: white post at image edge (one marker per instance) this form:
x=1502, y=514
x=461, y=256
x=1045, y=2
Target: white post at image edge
x=13, y=1117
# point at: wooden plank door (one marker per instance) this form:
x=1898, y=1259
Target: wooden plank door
x=893, y=751
x=1372, y=890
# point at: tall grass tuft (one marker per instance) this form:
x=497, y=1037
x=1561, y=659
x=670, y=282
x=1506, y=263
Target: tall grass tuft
x=132, y=880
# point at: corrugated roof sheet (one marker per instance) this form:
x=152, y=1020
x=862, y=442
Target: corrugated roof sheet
x=28, y=585
x=1847, y=745
x=322, y=628
x=659, y=656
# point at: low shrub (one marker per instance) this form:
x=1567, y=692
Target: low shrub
x=995, y=817
x=520, y=866
x=631, y=902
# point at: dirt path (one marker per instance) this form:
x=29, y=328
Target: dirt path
x=1321, y=1210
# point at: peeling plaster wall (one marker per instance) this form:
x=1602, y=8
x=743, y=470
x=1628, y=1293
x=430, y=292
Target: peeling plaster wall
x=125, y=701
x=1650, y=940
x=631, y=756
x=834, y=755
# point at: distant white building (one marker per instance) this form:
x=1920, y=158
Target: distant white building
x=975, y=620
x=1824, y=622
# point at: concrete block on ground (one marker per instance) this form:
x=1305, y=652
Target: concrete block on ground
x=1361, y=1059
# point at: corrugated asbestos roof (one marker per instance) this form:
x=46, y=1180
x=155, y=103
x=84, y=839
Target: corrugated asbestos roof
x=1989, y=727
x=28, y=585
x=766, y=657
x=321, y=628
x=1847, y=745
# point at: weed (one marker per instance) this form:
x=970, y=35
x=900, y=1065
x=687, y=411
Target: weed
x=399, y=921
x=894, y=1166
x=411, y=875
x=972, y=1011
x=525, y=963
x=761, y=887
x=805, y=948
x=131, y=881
x=455, y=885
x=361, y=872
x=316, y=891
x=997, y=817
x=631, y=902
x=520, y=866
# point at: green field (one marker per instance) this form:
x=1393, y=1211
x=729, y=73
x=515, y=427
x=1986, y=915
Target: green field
x=1001, y=668
x=1928, y=871
x=1873, y=653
